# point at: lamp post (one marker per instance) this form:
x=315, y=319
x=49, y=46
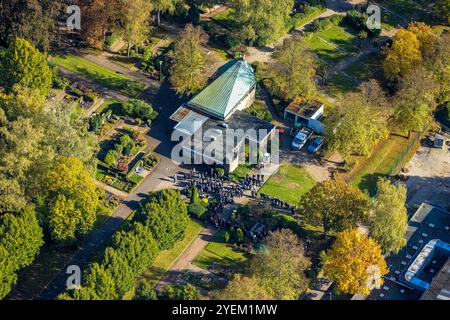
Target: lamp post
x=160, y=63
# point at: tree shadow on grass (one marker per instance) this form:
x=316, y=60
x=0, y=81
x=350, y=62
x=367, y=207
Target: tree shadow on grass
x=368, y=183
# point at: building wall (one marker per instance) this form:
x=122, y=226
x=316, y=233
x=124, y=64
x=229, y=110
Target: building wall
x=247, y=101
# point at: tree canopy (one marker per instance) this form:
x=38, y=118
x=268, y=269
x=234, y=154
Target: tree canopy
x=355, y=263
x=29, y=19
x=20, y=240
x=389, y=217
x=70, y=209
x=293, y=69
x=403, y=54
x=334, y=205
x=25, y=66
x=166, y=216
x=280, y=269
x=360, y=122
x=137, y=23
x=187, y=73
x=262, y=21
x=242, y=288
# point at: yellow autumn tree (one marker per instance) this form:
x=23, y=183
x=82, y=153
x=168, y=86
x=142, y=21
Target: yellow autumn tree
x=427, y=39
x=72, y=201
x=355, y=263
x=403, y=54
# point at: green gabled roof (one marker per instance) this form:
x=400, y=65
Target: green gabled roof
x=223, y=94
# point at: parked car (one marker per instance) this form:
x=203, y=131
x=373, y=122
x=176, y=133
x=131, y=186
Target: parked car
x=315, y=145
x=301, y=137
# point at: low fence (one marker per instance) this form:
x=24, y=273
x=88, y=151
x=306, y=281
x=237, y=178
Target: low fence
x=395, y=167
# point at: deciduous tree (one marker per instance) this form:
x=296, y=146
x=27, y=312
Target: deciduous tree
x=360, y=122
x=281, y=269
x=355, y=263
x=242, y=288
x=20, y=241
x=262, y=20
x=334, y=205
x=187, y=74
x=25, y=66
x=33, y=20
x=293, y=69
x=137, y=23
x=137, y=246
x=415, y=100
x=389, y=217
x=162, y=6
x=403, y=55
x=70, y=208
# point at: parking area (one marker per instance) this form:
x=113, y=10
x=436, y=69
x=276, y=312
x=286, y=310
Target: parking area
x=428, y=175
x=427, y=225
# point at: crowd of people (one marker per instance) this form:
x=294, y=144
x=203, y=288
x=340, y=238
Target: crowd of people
x=223, y=191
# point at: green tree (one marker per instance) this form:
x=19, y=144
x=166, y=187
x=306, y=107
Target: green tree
x=136, y=25
x=334, y=205
x=7, y=275
x=194, y=195
x=415, y=100
x=242, y=288
x=262, y=20
x=117, y=266
x=83, y=293
x=20, y=241
x=280, y=270
x=21, y=149
x=389, y=218
x=145, y=291
x=111, y=157
x=30, y=19
x=187, y=74
x=21, y=236
x=293, y=69
x=140, y=109
x=360, y=122
x=181, y=292
x=403, y=55
x=101, y=281
x=162, y=6
x=442, y=9
x=137, y=246
x=24, y=65
x=355, y=263
x=166, y=216
x=440, y=67
x=70, y=210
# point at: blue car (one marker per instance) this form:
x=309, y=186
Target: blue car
x=315, y=145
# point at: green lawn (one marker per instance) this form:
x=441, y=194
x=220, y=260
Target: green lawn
x=367, y=170
x=114, y=105
x=289, y=184
x=166, y=258
x=333, y=44
x=99, y=74
x=368, y=67
x=219, y=254
x=405, y=11
x=301, y=18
